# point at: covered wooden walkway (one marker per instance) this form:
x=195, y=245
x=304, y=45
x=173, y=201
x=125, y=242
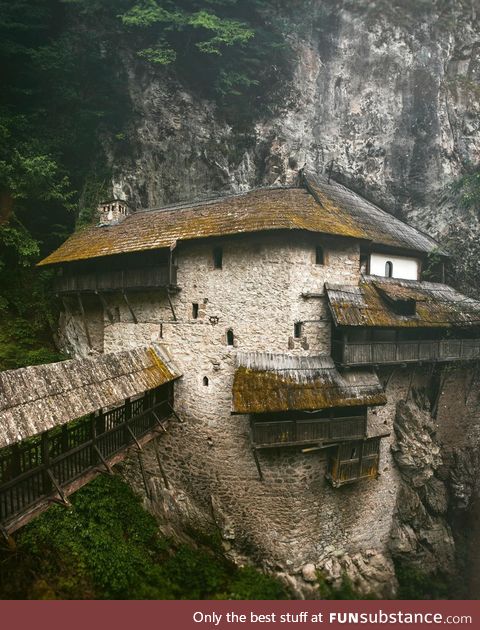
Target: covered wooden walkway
x=73, y=420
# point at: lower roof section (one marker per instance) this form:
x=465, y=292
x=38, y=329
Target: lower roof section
x=377, y=302
x=36, y=399
x=265, y=383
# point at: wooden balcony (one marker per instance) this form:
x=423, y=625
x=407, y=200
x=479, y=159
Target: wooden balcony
x=354, y=461
x=386, y=352
x=302, y=432
x=117, y=280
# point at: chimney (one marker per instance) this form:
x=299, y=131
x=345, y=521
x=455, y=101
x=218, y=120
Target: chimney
x=112, y=212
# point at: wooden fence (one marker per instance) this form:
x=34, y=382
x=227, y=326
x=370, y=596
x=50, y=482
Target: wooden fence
x=385, y=352
x=117, y=280
x=295, y=432
x=37, y=468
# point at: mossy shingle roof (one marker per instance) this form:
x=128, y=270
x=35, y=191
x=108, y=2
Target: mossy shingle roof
x=38, y=398
x=370, y=304
x=319, y=206
x=266, y=383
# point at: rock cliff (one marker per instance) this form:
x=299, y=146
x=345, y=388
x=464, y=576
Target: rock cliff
x=385, y=94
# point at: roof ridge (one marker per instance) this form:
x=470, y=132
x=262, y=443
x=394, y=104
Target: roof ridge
x=206, y=201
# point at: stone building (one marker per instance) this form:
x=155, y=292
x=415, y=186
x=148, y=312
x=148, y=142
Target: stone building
x=301, y=322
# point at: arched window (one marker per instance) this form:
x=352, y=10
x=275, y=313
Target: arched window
x=230, y=337
x=205, y=381
x=389, y=269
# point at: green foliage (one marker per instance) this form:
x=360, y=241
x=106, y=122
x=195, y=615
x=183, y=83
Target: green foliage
x=415, y=584
x=233, y=51
x=108, y=547
x=346, y=590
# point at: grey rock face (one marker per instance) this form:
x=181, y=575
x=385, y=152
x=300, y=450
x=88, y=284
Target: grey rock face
x=388, y=90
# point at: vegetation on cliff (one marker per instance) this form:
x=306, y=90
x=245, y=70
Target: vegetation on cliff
x=108, y=547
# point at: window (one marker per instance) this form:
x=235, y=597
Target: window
x=195, y=310
x=230, y=337
x=217, y=257
x=297, y=330
x=205, y=381
x=319, y=255
x=389, y=269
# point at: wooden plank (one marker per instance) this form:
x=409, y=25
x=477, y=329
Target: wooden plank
x=84, y=320
x=125, y=298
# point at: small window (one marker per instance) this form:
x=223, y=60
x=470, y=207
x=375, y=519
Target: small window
x=230, y=337
x=297, y=330
x=205, y=381
x=195, y=310
x=319, y=255
x=353, y=454
x=389, y=269
x=217, y=257
x=116, y=314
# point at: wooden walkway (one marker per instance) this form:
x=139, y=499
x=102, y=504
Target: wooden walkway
x=52, y=465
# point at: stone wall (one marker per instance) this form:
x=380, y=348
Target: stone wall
x=293, y=522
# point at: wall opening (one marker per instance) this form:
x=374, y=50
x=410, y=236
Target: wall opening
x=217, y=257
x=297, y=330
x=230, y=337
x=195, y=310
x=205, y=381
x=319, y=255
x=389, y=269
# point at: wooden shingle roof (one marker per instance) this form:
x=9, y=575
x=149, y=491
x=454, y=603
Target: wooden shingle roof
x=36, y=399
x=265, y=383
x=319, y=206
x=370, y=304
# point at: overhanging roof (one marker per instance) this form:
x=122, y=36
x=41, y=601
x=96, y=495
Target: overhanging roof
x=35, y=399
x=266, y=383
x=370, y=304
x=319, y=207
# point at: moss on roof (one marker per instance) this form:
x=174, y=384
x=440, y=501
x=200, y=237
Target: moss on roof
x=321, y=207
x=437, y=305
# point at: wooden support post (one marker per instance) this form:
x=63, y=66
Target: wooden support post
x=175, y=413
x=439, y=393
x=159, y=461
x=390, y=376
x=472, y=382
x=146, y=485
x=84, y=319
x=58, y=488
x=410, y=384
x=104, y=302
x=134, y=317
x=132, y=434
x=257, y=463
x=103, y=460
x=159, y=421
x=171, y=306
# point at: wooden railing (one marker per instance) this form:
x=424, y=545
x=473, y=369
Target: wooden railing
x=117, y=280
x=295, y=432
x=385, y=352
x=39, y=467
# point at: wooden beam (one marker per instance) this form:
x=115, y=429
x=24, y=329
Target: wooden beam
x=132, y=434
x=84, y=319
x=257, y=463
x=102, y=459
x=146, y=485
x=171, y=306
x=410, y=384
x=58, y=488
x=159, y=462
x=104, y=302
x=134, y=317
